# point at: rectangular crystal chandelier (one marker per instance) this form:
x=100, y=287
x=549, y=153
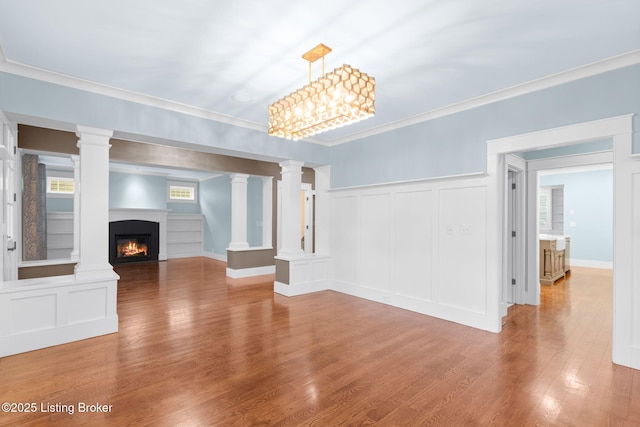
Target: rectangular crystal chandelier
x=343, y=96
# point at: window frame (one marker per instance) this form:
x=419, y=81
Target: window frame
x=58, y=178
x=545, y=192
x=192, y=186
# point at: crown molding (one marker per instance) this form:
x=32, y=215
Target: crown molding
x=600, y=67
x=606, y=65
x=36, y=73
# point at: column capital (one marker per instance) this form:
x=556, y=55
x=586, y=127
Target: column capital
x=291, y=166
x=93, y=136
x=324, y=168
x=239, y=178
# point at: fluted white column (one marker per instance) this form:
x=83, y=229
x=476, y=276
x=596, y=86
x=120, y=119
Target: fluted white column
x=239, y=211
x=75, y=253
x=94, y=202
x=291, y=208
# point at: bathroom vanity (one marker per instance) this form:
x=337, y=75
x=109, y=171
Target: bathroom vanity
x=554, y=258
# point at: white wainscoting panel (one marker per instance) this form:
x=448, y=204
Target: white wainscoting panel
x=33, y=312
x=375, y=236
x=462, y=248
x=635, y=338
x=87, y=304
x=413, y=248
x=344, y=239
x=307, y=273
x=417, y=245
x=39, y=313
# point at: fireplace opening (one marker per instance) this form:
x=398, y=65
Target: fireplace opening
x=132, y=246
x=133, y=241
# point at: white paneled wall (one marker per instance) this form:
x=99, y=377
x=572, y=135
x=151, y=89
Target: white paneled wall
x=38, y=313
x=419, y=246
x=374, y=233
x=414, y=244
x=635, y=339
x=461, y=248
x=344, y=234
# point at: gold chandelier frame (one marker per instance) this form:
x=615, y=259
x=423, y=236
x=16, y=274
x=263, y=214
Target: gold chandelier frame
x=343, y=96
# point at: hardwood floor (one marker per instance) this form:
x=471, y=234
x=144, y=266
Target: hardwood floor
x=196, y=349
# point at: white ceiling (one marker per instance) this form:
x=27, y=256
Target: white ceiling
x=424, y=54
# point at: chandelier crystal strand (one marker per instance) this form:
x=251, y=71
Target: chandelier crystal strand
x=343, y=96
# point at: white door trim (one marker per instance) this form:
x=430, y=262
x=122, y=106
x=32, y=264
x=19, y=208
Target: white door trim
x=620, y=130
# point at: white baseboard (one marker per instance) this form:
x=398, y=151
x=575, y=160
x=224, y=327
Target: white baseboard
x=184, y=255
x=250, y=272
x=212, y=255
x=635, y=357
x=301, y=289
x=21, y=343
x=429, y=308
x=607, y=265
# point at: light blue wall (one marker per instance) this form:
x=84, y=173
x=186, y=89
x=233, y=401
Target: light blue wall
x=184, y=208
x=449, y=145
x=215, y=203
x=59, y=204
x=254, y=211
x=30, y=97
x=128, y=190
x=456, y=144
x=590, y=196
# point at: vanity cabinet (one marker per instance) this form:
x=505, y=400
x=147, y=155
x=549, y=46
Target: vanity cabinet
x=553, y=260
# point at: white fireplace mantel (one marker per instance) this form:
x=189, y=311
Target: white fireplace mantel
x=154, y=215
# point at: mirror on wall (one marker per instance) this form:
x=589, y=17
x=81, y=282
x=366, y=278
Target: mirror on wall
x=47, y=206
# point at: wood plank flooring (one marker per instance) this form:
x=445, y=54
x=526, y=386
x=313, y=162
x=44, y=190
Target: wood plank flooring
x=196, y=349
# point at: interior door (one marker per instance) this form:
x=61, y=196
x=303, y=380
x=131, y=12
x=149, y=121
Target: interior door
x=511, y=240
x=307, y=218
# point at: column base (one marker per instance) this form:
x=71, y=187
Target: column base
x=238, y=245
x=95, y=271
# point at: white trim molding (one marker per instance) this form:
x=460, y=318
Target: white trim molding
x=600, y=67
x=39, y=313
x=626, y=309
x=250, y=272
x=606, y=65
x=606, y=265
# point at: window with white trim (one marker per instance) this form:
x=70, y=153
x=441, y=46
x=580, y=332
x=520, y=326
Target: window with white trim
x=544, y=209
x=182, y=192
x=60, y=185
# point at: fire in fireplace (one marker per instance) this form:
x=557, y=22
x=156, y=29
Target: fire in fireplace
x=132, y=246
x=133, y=241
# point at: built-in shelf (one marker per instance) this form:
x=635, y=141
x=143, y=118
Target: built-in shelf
x=59, y=235
x=185, y=235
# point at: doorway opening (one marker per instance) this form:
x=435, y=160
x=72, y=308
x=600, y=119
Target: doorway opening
x=619, y=130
